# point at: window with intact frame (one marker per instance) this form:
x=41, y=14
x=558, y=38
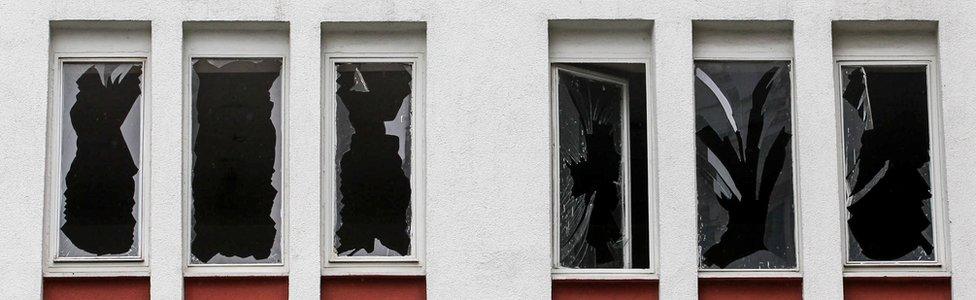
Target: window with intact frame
x=236, y=179
x=743, y=123
x=600, y=205
x=888, y=163
x=100, y=180
x=374, y=207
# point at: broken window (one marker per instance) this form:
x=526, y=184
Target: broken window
x=101, y=136
x=602, y=207
x=373, y=207
x=744, y=165
x=236, y=175
x=887, y=159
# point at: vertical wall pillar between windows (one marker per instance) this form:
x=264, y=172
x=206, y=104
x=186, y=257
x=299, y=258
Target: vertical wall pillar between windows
x=816, y=131
x=23, y=87
x=304, y=126
x=166, y=134
x=676, y=165
x=956, y=41
x=488, y=199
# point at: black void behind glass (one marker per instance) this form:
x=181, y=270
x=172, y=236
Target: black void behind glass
x=888, y=160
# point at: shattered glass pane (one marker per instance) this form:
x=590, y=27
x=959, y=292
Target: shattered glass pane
x=591, y=205
x=236, y=179
x=100, y=151
x=887, y=154
x=744, y=165
x=373, y=207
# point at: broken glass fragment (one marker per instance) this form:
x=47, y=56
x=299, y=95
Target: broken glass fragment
x=590, y=174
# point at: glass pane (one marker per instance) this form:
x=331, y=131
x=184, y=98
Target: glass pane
x=373, y=207
x=744, y=165
x=886, y=149
x=591, y=197
x=236, y=178
x=100, y=151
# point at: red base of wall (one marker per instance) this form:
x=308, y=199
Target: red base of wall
x=414, y=288
x=604, y=289
x=749, y=289
x=897, y=288
x=235, y=288
x=97, y=288
x=369, y=288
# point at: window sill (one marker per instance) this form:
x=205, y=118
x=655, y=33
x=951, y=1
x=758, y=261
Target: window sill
x=351, y=269
x=234, y=271
x=750, y=274
x=97, y=272
x=96, y=269
x=895, y=272
x=604, y=276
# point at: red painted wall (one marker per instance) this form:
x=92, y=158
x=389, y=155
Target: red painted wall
x=374, y=287
x=897, y=288
x=97, y=288
x=604, y=289
x=749, y=289
x=235, y=288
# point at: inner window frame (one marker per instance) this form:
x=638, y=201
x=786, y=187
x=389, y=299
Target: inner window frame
x=794, y=272
x=937, y=168
x=333, y=263
x=55, y=266
x=561, y=273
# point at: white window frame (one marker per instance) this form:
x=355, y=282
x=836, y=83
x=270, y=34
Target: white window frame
x=410, y=265
x=256, y=269
x=939, y=266
x=108, y=266
x=556, y=64
x=794, y=272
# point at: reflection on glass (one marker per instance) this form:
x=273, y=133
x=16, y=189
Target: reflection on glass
x=744, y=165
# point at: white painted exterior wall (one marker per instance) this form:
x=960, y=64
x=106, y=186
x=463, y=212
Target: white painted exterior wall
x=487, y=122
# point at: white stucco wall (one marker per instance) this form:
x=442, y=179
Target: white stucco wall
x=488, y=157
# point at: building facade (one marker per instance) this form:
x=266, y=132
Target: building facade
x=529, y=149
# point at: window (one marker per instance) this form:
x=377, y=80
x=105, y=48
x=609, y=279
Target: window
x=891, y=167
x=373, y=159
x=97, y=209
x=100, y=181
x=744, y=156
x=889, y=163
x=235, y=99
x=601, y=194
x=373, y=148
x=603, y=212
x=236, y=173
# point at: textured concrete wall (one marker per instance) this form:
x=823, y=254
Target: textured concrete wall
x=488, y=167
